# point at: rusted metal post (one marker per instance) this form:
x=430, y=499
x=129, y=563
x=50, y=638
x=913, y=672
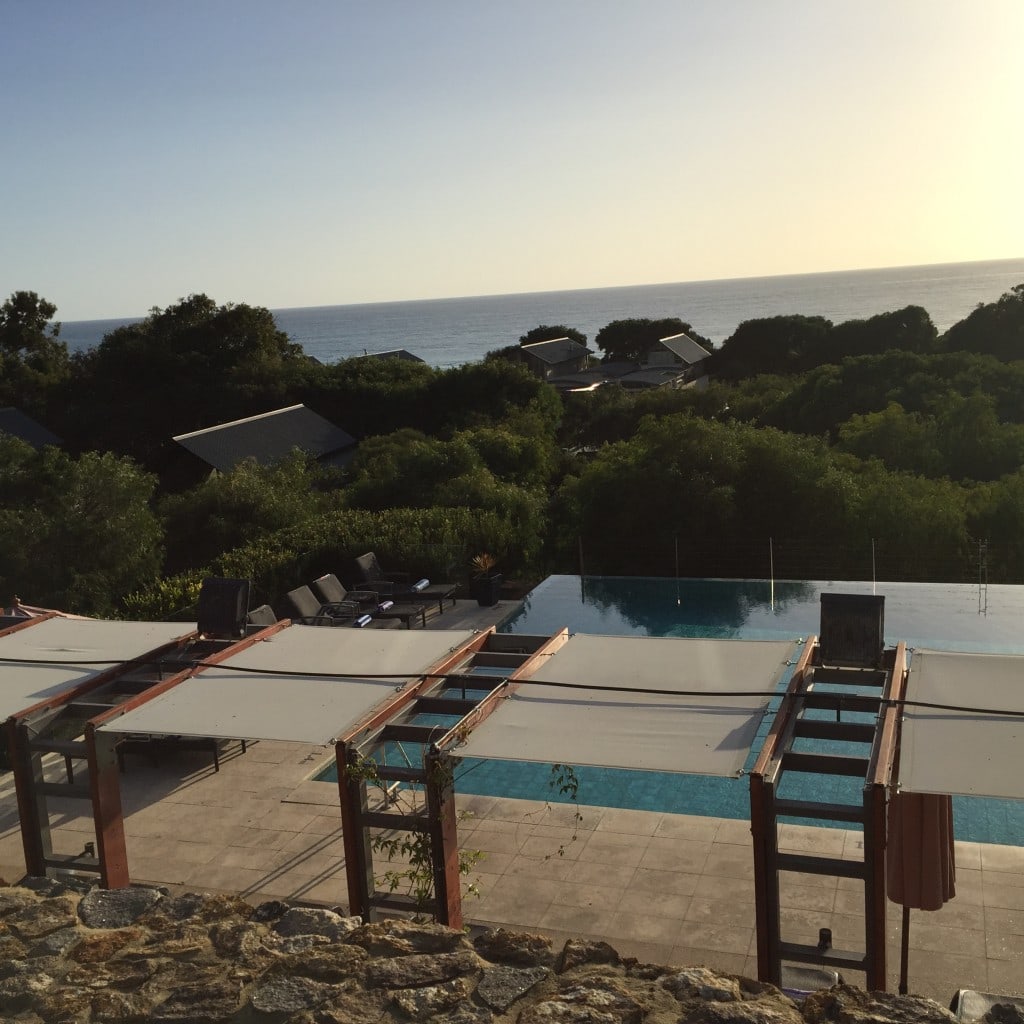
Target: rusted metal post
x=444, y=838
x=354, y=833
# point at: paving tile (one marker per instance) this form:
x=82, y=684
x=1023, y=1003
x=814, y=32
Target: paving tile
x=594, y=873
x=586, y=922
x=968, y=855
x=530, y=867
x=1003, y=858
x=563, y=847
x=619, y=819
x=730, y=861
x=1006, y=897
x=810, y=897
x=722, y=887
x=1008, y=878
x=686, y=826
x=938, y=974
x=828, y=842
x=498, y=842
x=1003, y=976
x=999, y=946
x=720, y=912
x=599, y=897
x=1005, y=922
x=660, y=904
x=643, y=927
x=658, y=880
x=676, y=855
x=715, y=938
x=735, y=832
x=622, y=854
x=717, y=960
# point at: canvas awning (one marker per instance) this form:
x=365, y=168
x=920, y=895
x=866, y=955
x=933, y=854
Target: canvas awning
x=977, y=752
x=56, y=655
x=691, y=726
x=301, y=685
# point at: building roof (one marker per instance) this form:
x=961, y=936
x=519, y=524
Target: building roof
x=267, y=438
x=685, y=347
x=557, y=350
x=652, y=377
x=17, y=424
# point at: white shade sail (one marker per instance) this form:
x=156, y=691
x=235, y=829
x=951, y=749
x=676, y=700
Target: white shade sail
x=695, y=727
x=56, y=655
x=263, y=693
x=970, y=752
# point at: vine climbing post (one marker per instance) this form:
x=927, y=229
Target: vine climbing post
x=355, y=836
x=444, y=837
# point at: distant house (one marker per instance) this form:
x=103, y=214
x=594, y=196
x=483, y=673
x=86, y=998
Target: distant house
x=17, y=424
x=270, y=437
x=675, y=362
x=559, y=357
x=395, y=353
x=679, y=350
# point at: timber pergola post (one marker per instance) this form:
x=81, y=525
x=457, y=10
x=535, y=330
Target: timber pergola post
x=437, y=692
x=778, y=755
x=84, y=707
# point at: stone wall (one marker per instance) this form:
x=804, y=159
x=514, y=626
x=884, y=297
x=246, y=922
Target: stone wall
x=134, y=955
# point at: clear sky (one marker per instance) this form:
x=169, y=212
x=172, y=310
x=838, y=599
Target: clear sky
x=324, y=151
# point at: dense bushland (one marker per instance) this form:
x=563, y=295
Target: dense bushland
x=818, y=450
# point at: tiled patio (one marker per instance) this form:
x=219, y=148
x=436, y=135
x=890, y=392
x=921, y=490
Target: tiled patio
x=665, y=888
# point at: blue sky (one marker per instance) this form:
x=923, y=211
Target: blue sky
x=313, y=153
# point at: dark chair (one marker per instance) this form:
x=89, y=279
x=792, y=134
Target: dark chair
x=330, y=591
x=223, y=605
x=312, y=612
x=396, y=586
x=259, y=618
x=852, y=632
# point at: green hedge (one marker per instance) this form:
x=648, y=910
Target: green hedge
x=434, y=542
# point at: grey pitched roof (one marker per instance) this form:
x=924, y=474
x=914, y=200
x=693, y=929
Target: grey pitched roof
x=685, y=347
x=267, y=438
x=17, y=424
x=557, y=350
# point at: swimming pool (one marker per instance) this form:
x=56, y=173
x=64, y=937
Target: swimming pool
x=944, y=616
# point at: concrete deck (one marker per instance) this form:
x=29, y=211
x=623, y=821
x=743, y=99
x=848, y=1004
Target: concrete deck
x=665, y=888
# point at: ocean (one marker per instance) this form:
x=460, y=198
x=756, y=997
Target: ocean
x=448, y=332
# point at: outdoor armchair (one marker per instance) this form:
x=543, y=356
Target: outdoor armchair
x=396, y=585
x=310, y=611
x=331, y=591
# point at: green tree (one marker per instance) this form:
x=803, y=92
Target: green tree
x=75, y=534
x=631, y=340
x=995, y=328
x=900, y=439
x=777, y=344
x=250, y=502
x=550, y=333
x=34, y=362
x=192, y=365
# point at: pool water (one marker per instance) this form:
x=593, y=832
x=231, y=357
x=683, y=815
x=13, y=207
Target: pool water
x=943, y=616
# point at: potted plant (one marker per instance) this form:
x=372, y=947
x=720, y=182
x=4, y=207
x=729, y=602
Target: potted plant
x=485, y=582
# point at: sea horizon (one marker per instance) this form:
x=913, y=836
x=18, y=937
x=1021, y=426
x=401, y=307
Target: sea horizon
x=447, y=332
x=587, y=288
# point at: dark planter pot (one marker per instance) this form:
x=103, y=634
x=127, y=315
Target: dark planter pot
x=485, y=589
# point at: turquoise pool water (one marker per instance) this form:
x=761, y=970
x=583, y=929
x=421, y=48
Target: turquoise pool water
x=944, y=616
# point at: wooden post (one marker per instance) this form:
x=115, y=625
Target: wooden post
x=354, y=833
x=444, y=838
x=108, y=818
x=766, y=880
x=35, y=824
x=874, y=886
